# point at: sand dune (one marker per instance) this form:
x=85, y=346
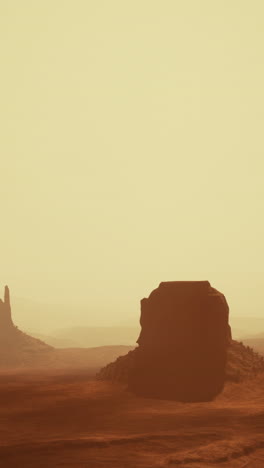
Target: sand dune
x=71, y=420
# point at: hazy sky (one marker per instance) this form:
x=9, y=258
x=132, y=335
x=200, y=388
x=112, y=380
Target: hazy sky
x=131, y=150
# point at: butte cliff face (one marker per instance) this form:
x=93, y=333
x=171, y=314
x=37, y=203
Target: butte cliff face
x=183, y=343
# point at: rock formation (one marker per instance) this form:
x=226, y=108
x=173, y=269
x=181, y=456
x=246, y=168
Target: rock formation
x=17, y=348
x=183, y=343
x=5, y=311
x=184, y=328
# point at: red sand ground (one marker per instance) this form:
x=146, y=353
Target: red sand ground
x=53, y=419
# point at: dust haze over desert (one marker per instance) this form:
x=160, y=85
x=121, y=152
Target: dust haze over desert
x=132, y=233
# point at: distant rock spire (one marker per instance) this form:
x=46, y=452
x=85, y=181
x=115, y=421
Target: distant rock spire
x=5, y=310
x=7, y=296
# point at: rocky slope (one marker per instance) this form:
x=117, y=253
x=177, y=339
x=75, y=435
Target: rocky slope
x=242, y=363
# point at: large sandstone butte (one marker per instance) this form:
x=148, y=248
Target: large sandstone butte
x=183, y=343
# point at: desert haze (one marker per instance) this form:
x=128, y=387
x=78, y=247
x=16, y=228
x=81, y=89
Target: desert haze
x=131, y=240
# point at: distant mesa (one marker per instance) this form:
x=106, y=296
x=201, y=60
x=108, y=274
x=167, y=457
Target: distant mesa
x=19, y=350
x=183, y=345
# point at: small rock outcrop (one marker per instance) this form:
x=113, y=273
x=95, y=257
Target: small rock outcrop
x=182, y=352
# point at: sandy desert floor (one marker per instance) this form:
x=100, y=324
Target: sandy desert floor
x=53, y=419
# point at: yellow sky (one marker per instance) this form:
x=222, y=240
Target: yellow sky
x=132, y=149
